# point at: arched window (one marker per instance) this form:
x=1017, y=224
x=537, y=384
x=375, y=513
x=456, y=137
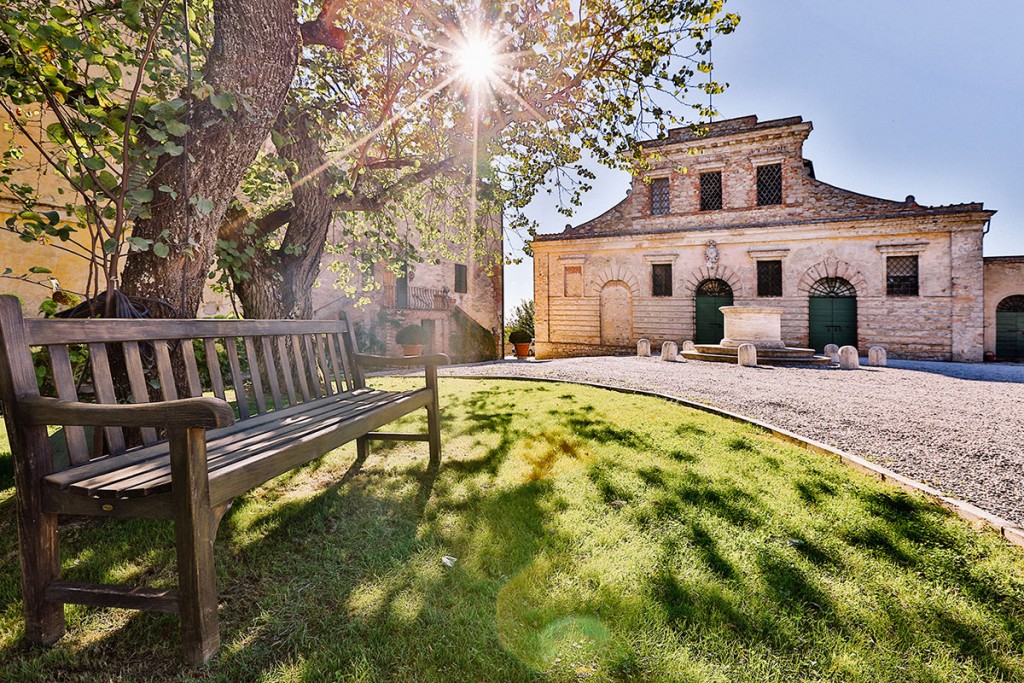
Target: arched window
x=835, y=287
x=1011, y=304
x=714, y=288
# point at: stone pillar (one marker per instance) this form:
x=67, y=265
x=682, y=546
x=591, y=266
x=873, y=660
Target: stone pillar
x=643, y=348
x=746, y=355
x=849, y=359
x=832, y=351
x=877, y=357
x=967, y=325
x=541, y=311
x=669, y=351
x=689, y=346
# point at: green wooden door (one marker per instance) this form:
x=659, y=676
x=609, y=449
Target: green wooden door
x=833, y=320
x=710, y=323
x=1010, y=336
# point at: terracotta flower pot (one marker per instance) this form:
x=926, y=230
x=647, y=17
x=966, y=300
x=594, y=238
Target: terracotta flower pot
x=522, y=350
x=412, y=349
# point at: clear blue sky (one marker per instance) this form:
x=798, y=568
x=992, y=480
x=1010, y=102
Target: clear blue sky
x=921, y=97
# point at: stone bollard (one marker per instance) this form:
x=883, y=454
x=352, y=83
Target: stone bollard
x=832, y=351
x=689, y=346
x=877, y=357
x=643, y=348
x=746, y=355
x=849, y=358
x=669, y=351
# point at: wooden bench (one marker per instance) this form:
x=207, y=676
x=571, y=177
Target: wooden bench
x=299, y=392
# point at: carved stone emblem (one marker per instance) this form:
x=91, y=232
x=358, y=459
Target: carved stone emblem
x=711, y=254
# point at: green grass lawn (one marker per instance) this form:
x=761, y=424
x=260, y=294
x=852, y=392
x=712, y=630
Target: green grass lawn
x=599, y=537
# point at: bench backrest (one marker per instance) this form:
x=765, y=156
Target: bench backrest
x=256, y=365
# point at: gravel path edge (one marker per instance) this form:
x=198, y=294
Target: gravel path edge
x=967, y=511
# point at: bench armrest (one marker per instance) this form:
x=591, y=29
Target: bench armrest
x=369, y=361
x=187, y=412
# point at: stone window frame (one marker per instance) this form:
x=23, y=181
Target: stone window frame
x=902, y=249
x=663, y=260
x=757, y=255
x=461, y=278
x=766, y=281
x=572, y=262
x=766, y=163
x=709, y=205
x=654, y=205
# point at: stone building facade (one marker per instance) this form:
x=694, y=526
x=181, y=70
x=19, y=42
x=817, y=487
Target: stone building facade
x=736, y=216
x=459, y=303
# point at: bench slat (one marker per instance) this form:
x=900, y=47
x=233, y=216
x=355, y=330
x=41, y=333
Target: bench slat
x=271, y=366
x=300, y=366
x=42, y=332
x=64, y=379
x=286, y=370
x=339, y=372
x=103, y=385
x=165, y=371
x=325, y=369
x=216, y=439
x=255, y=376
x=137, y=380
x=195, y=385
x=213, y=366
x=314, y=371
x=237, y=381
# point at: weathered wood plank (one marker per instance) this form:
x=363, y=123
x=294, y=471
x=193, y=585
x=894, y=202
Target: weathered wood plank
x=46, y=332
x=314, y=371
x=137, y=380
x=213, y=366
x=396, y=436
x=252, y=362
x=339, y=371
x=286, y=370
x=325, y=368
x=103, y=385
x=165, y=371
x=300, y=366
x=107, y=595
x=237, y=380
x=271, y=365
x=195, y=384
x=64, y=380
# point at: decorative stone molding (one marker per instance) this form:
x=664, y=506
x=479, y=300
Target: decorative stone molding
x=572, y=259
x=611, y=274
x=832, y=267
x=669, y=257
x=767, y=254
x=901, y=248
x=717, y=272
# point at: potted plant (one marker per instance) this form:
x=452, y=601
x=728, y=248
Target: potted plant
x=521, y=340
x=412, y=338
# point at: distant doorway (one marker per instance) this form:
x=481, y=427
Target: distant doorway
x=616, y=314
x=1010, y=329
x=710, y=323
x=832, y=314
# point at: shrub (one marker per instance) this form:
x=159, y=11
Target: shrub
x=411, y=335
x=520, y=337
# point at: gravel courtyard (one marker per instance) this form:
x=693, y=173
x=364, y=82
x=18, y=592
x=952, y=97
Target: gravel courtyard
x=955, y=426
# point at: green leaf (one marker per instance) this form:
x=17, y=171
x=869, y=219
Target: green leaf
x=109, y=246
x=141, y=195
x=39, y=270
x=177, y=128
x=278, y=139
x=169, y=190
x=59, y=13
x=95, y=163
x=224, y=101
x=161, y=249
x=204, y=205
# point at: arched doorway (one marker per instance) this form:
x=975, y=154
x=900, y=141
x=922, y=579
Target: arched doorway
x=710, y=323
x=616, y=314
x=832, y=313
x=1010, y=329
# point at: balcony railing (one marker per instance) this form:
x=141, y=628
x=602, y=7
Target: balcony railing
x=416, y=298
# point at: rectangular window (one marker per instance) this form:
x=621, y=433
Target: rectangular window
x=573, y=281
x=711, y=191
x=661, y=279
x=769, y=278
x=901, y=276
x=769, y=185
x=660, y=203
x=461, y=279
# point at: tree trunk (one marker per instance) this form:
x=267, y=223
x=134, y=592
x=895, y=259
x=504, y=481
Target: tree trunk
x=254, y=56
x=281, y=283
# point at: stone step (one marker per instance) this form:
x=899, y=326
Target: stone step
x=788, y=352
x=725, y=358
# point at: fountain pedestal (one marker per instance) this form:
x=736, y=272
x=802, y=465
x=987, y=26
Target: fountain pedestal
x=757, y=325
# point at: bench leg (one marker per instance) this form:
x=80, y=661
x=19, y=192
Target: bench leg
x=194, y=531
x=434, y=435
x=38, y=543
x=362, y=449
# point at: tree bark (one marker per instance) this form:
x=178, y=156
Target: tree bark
x=282, y=280
x=254, y=56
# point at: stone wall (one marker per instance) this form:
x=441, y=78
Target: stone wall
x=1004, y=276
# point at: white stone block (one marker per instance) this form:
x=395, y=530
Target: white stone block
x=643, y=348
x=746, y=355
x=669, y=351
x=849, y=358
x=689, y=346
x=877, y=357
x=832, y=351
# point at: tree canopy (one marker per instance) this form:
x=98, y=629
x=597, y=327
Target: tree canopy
x=379, y=118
